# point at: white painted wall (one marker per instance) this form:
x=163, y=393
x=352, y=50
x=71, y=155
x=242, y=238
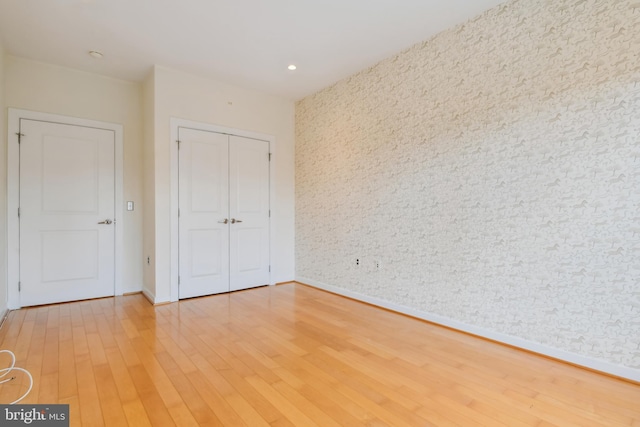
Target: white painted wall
x=3, y=188
x=149, y=252
x=184, y=96
x=46, y=88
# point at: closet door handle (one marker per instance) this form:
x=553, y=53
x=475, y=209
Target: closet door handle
x=225, y=221
x=233, y=220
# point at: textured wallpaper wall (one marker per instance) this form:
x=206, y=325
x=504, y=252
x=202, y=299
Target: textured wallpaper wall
x=494, y=173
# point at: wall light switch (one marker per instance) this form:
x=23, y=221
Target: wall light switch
x=129, y=206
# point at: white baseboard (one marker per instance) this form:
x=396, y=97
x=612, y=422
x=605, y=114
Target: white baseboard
x=573, y=358
x=132, y=289
x=3, y=316
x=149, y=295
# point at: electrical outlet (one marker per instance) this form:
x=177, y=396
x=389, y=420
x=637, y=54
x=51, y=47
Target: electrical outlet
x=376, y=264
x=357, y=262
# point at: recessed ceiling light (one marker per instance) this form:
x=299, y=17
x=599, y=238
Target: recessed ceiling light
x=95, y=54
x=292, y=67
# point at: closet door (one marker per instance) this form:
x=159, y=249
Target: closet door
x=249, y=212
x=203, y=213
x=223, y=213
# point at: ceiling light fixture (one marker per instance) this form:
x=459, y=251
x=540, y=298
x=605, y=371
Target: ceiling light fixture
x=95, y=54
x=292, y=67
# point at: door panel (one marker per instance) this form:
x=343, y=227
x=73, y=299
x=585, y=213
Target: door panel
x=67, y=179
x=78, y=264
x=249, y=203
x=204, y=251
x=208, y=176
x=81, y=190
x=203, y=203
x=249, y=259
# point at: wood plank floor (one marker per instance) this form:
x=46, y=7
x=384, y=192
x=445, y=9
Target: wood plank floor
x=291, y=355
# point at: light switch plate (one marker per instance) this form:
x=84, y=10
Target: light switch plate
x=129, y=206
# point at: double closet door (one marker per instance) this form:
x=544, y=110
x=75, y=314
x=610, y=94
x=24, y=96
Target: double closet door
x=223, y=213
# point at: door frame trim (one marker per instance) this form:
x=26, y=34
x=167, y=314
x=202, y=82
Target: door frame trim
x=176, y=123
x=13, y=194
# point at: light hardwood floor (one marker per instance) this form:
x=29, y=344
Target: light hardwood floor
x=291, y=355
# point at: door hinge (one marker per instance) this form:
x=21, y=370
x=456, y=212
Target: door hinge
x=178, y=212
x=178, y=280
x=269, y=269
x=19, y=286
x=269, y=213
x=18, y=212
x=20, y=135
x=178, y=141
x=269, y=156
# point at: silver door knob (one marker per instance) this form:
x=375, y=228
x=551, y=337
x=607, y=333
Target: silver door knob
x=226, y=221
x=233, y=220
x=106, y=221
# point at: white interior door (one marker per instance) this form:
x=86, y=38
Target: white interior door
x=249, y=211
x=67, y=212
x=203, y=213
x=223, y=213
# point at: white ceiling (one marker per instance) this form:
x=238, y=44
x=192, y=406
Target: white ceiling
x=248, y=43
